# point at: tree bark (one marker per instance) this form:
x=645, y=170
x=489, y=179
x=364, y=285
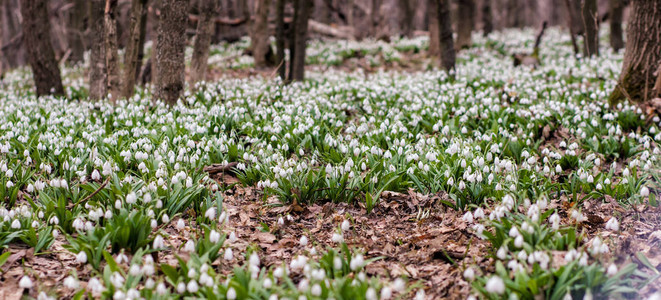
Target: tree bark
x=280, y=37
x=170, y=48
x=261, y=45
x=571, y=21
x=434, y=43
x=97, y=74
x=445, y=34
x=299, y=41
x=487, y=18
x=76, y=29
x=41, y=55
x=203, y=34
x=156, y=17
x=642, y=55
x=465, y=23
x=616, y=16
x=131, y=55
x=406, y=16
x=590, y=19
x=112, y=55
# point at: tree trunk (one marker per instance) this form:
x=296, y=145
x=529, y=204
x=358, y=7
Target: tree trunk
x=76, y=29
x=590, y=19
x=261, y=45
x=205, y=26
x=156, y=17
x=141, y=43
x=515, y=13
x=571, y=21
x=642, y=54
x=616, y=15
x=36, y=31
x=487, y=18
x=280, y=37
x=97, y=74
x=112, y=55
x=434, y=44
x=300, y=35
x=445, y=34
x=406, y=16
x=465, y=21
x=170, y=48
x=131, y=55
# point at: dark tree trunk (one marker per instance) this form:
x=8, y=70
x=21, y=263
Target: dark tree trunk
x=143, y=38
x=487, y=17
x=571, y=21
x=515, y=13
x=41, y=56
x=434, y=44
x=590, y=27
x=280, y=37
x=155, y=25
x=205, y=26
x=261, y=45
x=616, y=16
x=97, y=74
x=406, y=12
x=375, y=17
x=170, y=48
x=299, y=41
x=465, y=23
x=133, y=46
x=112, y=55
x=76, y=29
x=445, y=34
x=642, y=55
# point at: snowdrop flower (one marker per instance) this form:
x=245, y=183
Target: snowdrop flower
x=189, y=246
x=192, y=286
x=345, y=225
x=613, y=224
x=16, y=224
x=95, y=175
x=420, y=295
x=232, y=237
x=254, y=259
x=228, y=254
x=81, y=257
x=357, y=262
x=495, y=285
x=180, y=224
x=161, y=289
x=468, y=217
x=158, y=242
x=369, y=295
x=501, y=253
x=303, y=241
x=612, y=270
x=479, y=213
x=469, y=274
x=71, y=283
x=214, y=236
x=399, y=285
x=231, y=294
x=644, y=191
x=95, y=286
x=25, y=282
x=337, y=238
x=181, y=287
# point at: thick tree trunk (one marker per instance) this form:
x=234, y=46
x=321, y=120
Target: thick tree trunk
x=205, y=26
x=616, y=16
x=487, y=18
x=155, y=25
x=434, y=44
x=97, y=74
x=36, y=31
x=590, y=27
x=131, y=55
x=465, y=23
x=280, y=37
x=406, y=12
x=143, y=38
x=76, y=29
x=642, y=56
x=112, y=55
x=515, y=13
x=375, y=17
x=170, y=48
x=299, y=41
x=571, y=21
x=13, y=53
x=445, y=34
x=261, y=45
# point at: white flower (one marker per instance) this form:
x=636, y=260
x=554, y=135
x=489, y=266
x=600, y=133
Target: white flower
x=15, y=224
x=613, y=224
x=81, y=257
x=210, y=213
x=71, y=283
x=25, y=283
x=468, y=217
x=370, y=294
x=469, y=274
x=189, y=246
x=303, y=241
x=254, y=259
x=357, y=262
x=192, y=286
x=228, y=254
x=316, y=290
x=96, y=175
x=231, y=294
x=345, y=225
x=214, y=236
x=158, y=242
x=180, y=224
x=644, y=191
x=337, y=238
x=612, y=270
x=495, y=285
x=386, y=293
x=161, y=289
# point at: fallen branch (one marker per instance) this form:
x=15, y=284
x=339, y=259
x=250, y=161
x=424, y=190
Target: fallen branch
x=103, y=185
x=220, y=168
x=324, y=29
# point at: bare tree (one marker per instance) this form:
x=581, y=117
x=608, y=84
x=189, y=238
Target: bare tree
x=642, y=56
x=616, y=11
x=590, y=28
x=97, y=74
x=445, y=34
x=465, y=22
x=302, y=10
x=205, y=26
x=170, y=50
x=406, y=13
x=280, y=37
x=261, y=46
x=76, y=29
x=487, y=17
x=133, y=46
x=41, y=56
x=434, y=35
x=112, y=54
